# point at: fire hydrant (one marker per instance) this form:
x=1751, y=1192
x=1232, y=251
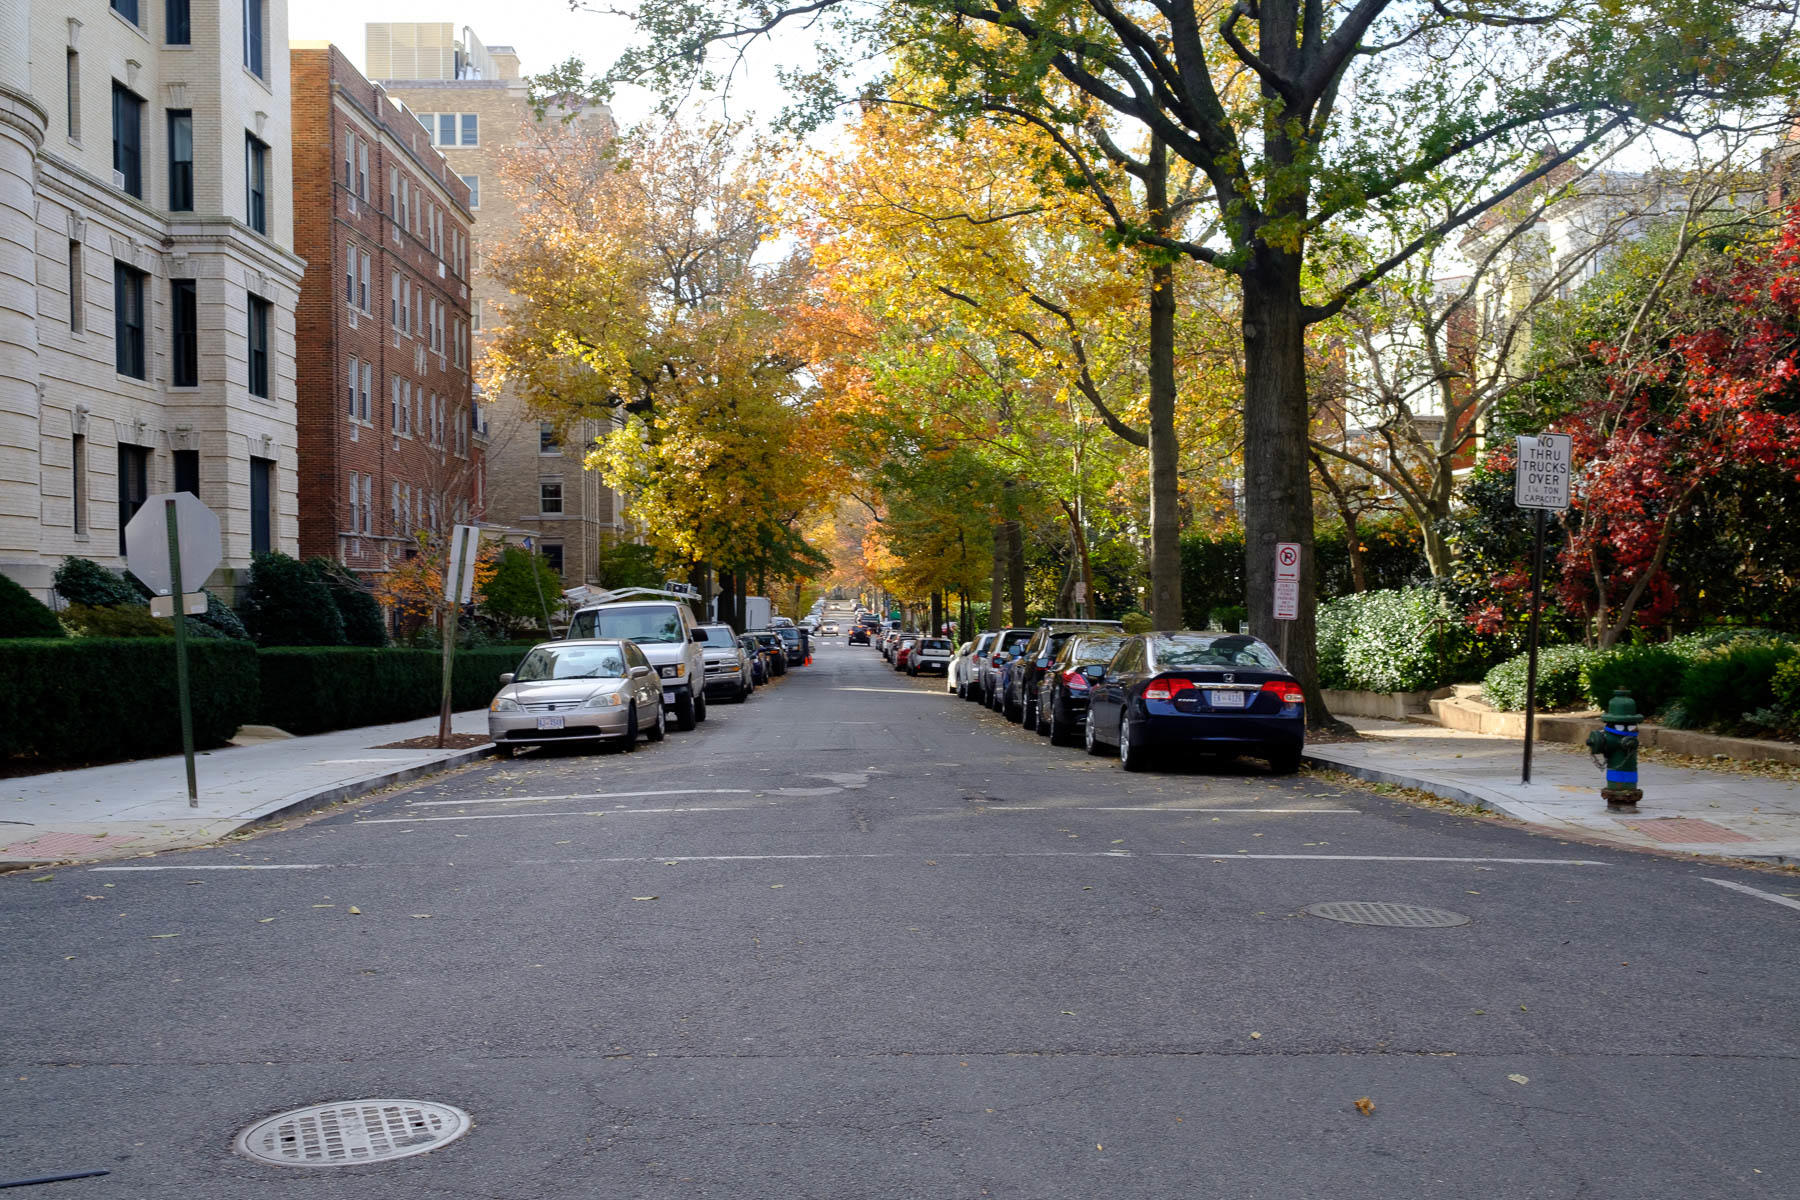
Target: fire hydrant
x=1615, y=750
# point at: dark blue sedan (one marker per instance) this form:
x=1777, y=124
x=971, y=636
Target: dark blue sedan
x=1205, y=693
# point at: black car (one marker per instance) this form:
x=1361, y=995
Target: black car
x=793, y=643
x=1020, y=700
x=774, y=650
x=1210, y=693
x=859, y=636
x=759, y=658
x=1063, y=688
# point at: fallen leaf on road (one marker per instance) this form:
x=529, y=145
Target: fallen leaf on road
x=776, y=886
x=1519, y=1078
x=1067, y=1013
x=355, y=911
x=423, y=916
x=324, y=906
x=264, y=920
x=1366, y=1107
x=643, y=897
x=1121, y=841
x=93, y=897
x=43, y=879
x=165, y=935
x=1257, y=1036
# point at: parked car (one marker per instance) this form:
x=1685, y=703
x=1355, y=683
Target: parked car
x=589, y=690
x=774, y=650
x=1005, y=645
x=1215, y=693
x=759, y=661
x=858, y=636
x=791, y=643
x=1019, y=701
x=1063, y=688
x=929, y=654
x=728, y=671
x=959, y=664
x=889, y=641
x=663, y=626
x=968, y=676
x=903, y=650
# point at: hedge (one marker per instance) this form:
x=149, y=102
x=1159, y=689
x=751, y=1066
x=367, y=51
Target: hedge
x=311, y=689
x=98, y=699
x=1723, y=686
x=1558, y=679
x=23, y=615
x=1404, y=640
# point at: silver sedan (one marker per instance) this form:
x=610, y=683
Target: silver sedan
x=590, y=689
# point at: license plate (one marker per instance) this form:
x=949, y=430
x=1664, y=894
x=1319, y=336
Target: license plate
x=669, y=699
x=550, y=722
x=1225, y=699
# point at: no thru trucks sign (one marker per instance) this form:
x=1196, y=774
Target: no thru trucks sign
x=1542, y=478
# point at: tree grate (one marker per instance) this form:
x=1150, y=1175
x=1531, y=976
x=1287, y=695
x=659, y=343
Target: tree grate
x=1381, y=912
x=352, y=1132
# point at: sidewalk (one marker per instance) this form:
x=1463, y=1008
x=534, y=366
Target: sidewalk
x=1684, y=809
x=123, y=809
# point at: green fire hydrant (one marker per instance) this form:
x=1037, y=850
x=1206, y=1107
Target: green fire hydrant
x=1615, y=749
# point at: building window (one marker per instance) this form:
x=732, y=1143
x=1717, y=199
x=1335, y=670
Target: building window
x=355, y=502
x=362, y=280
x=127, y=9
x=253, y=36
x=368, y=385
x=78, y=482
x=256, y=183
x=351, y=375
x=469, y=126
x=184, y=330
x=134, y=484
x=73, y=98
x=259, y=346
x=446, y=129
x=548, y=441
x=368, y=504
x=128, y=140
x=175, y=23
x=128, y=320
x=474, y=182
x=553, y=556
x=550, y=496
x=187, y=472
x=77, y=288
x=181, y=160
x=262, y=476
x=362, y=169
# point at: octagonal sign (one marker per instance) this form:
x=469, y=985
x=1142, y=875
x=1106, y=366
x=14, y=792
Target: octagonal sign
x=147, y=542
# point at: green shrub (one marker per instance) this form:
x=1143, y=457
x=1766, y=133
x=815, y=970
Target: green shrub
x=1135, y=622
x=1786, y=687
x=23, y=615
x=219, y=619
x=311, y=689
x=1228, y=618
x=84, y=581
x=1405, y=640
x=287, y=604
x=1722, y=685
x=522, y=588
x=115, y=621
x=1558, y=679
x=1652, y=674
x=103, y=699
x=363, y=622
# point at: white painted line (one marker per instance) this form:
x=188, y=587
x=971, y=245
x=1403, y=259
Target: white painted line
x=1771, y=897
x=226, y=867
x=593, y=812
x=587, y=796
x=1152, y=808
x=1419, y=858
x=891, y=691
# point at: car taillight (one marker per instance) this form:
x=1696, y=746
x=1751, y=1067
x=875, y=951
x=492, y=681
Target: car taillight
x=1076, y=681
x=1287, y=693
x=1168, y=688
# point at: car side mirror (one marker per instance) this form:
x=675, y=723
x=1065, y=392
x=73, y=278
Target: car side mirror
x=1094, y=671
x=640, y=672
x=699, y=635
x=506, y=677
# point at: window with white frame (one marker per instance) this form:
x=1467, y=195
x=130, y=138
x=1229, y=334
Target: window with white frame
x=474, y=182
x=368, y=504
x=362, y=282
x=550, y=496
x=368, y=385
x=394, y=299
x=394, y=407
x=352, y=375
x=356, y=517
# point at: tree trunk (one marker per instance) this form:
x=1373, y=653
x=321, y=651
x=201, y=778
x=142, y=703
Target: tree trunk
x=730, y=611
x=1277, y=483
x=937, y=613
x=1359, y=580
x=1165, y=452
x=997, y=584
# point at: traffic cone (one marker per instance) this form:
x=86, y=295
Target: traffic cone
x=809, y=660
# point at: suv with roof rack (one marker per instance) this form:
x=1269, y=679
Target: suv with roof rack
x=662, y=625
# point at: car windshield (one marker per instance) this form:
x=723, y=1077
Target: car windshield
x=653, y=625
x=719, y=636
x=1198, y=650
x=571, y=662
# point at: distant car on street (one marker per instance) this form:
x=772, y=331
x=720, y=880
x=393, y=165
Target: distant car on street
x=858, y=636
x=1063, y=688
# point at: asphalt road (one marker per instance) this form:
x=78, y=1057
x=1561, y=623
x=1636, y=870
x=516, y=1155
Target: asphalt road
x=857, y=938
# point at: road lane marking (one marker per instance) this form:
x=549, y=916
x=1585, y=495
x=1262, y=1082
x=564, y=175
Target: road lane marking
x=1418, y=858
x=1001, y=806
x=1771, y=897
x=595, y=812
x=588, y=796
x=227, y=867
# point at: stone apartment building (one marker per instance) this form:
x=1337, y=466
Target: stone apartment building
x=472, y=102
x=388, y=442
x=147, y=275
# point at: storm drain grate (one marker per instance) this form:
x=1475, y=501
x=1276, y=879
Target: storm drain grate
x=1380, y=912
x=351, y=1132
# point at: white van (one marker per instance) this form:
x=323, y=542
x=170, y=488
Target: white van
x=662, y=625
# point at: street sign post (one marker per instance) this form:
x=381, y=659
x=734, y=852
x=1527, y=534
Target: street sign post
x=1541, y=478
x=172, y=544
x=459, y=589
x=1287, y=589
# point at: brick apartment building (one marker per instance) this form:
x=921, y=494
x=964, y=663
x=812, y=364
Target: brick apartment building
x=390, y=441
x=472, y=104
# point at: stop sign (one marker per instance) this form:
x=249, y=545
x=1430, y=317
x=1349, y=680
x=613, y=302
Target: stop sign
x=147, y=542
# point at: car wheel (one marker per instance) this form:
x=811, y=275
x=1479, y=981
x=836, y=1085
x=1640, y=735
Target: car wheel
x=1283, y=762
x=1029, y=718
x=1059, y=729
x=684, y=711
x=505, y=750
x=1131, y=757
x=660, y=730
x=1045, y=713
x=700, y=708
x=1094, y=746
x=631, y=729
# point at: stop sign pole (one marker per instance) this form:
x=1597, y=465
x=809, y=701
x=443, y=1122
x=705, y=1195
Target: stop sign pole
x=181, y=658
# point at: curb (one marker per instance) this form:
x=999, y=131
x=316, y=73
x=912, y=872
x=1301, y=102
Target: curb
x=306, y=802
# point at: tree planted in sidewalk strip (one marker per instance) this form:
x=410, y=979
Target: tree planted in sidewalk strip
x=1302, y=120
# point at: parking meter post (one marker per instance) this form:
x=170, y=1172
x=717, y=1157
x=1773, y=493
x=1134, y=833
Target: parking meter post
x=1531, y=638
x=181, y=659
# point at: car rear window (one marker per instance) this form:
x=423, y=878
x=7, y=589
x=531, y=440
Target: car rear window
x=1232, y=650
x=719, y=635
x=1013, y=640
x=934, y=644
x=647, y=625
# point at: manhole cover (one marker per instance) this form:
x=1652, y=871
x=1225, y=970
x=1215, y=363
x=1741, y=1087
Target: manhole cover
x=1380, y=912
x=351, y=1132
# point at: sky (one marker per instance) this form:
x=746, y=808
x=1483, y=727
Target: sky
x=543, y=32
